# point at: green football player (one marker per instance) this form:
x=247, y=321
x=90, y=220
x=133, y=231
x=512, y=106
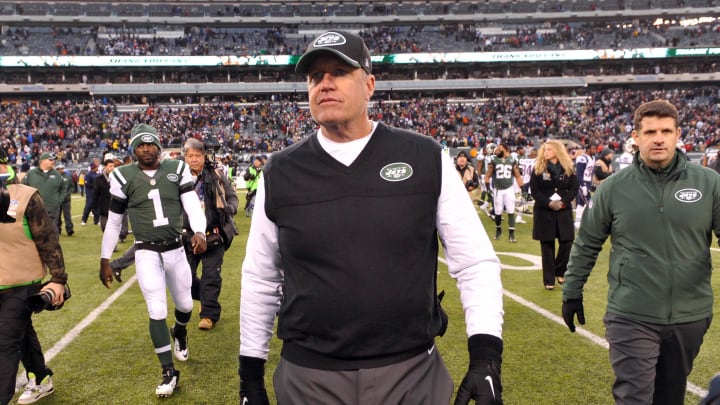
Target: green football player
x=502, y=170
x=154, y=193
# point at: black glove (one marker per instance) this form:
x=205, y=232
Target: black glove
x=482, y=381
x=570, y=307
x=252, y=381
x=117, y=273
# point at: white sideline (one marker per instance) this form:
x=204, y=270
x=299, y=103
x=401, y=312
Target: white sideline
x=90, y=318
x=692, y=388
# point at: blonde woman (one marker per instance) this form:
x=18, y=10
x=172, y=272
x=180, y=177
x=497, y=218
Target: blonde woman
x=553, y=185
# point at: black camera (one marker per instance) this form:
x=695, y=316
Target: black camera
x=213, y=240
x=43, y=300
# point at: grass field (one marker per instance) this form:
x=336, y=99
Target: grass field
x=99, y=347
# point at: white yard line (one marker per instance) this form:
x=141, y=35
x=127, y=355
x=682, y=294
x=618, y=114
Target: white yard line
x=692, y=388
x=557, y=319
x=90, y=318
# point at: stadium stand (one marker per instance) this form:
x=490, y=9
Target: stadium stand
x=258, y=109
x=459, y=37
x=241, y=128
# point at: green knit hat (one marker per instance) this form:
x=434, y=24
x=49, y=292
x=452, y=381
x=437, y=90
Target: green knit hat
x=144, y=133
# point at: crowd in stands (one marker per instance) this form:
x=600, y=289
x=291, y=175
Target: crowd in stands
x=338, y=8
x=74, y=129
x=192, y=41
x=283, y=40
x=450, y=37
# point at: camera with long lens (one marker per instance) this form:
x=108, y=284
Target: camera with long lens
x=210, y=154
x=43, y=300
x=210, y=163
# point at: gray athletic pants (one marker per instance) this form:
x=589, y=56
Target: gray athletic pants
x=421, y=380
x=651, y=362
x=126, y=260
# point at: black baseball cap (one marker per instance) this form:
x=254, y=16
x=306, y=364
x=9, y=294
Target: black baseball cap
x=347, y=46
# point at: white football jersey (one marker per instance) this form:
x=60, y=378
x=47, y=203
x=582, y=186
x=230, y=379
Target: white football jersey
x=527, y=166
x=589, y=162
x=624, y=160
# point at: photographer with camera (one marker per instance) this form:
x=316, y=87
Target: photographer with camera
x=252, y=176
x=467, y=172
x=220, y=203
x=30, y=247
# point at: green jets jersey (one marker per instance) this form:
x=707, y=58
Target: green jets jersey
x=503, y=172
x=153, y=203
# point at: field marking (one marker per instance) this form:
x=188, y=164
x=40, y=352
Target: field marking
x=557, y=319
x=534, y=259
x=90, y=318
x=692, y=388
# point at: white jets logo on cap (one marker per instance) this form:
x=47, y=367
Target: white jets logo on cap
x=330, y=39
x=148, y=138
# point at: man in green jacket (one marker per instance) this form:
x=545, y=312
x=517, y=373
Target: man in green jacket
x=49, y=183
x=660, y=213
x=65, y=206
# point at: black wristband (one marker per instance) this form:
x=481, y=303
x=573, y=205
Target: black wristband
x=251, y=368
x=485, y=347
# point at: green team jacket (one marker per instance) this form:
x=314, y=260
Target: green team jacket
x=50, y=185
x=660, y=224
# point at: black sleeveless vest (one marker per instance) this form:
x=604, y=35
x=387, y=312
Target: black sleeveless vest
x=359, y=250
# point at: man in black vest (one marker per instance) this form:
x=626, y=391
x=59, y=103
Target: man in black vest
x=343, y=247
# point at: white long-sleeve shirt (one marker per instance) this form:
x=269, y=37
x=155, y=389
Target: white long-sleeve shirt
x=469, y=254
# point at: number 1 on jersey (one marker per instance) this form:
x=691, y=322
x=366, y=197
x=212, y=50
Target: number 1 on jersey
x=160, y=218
